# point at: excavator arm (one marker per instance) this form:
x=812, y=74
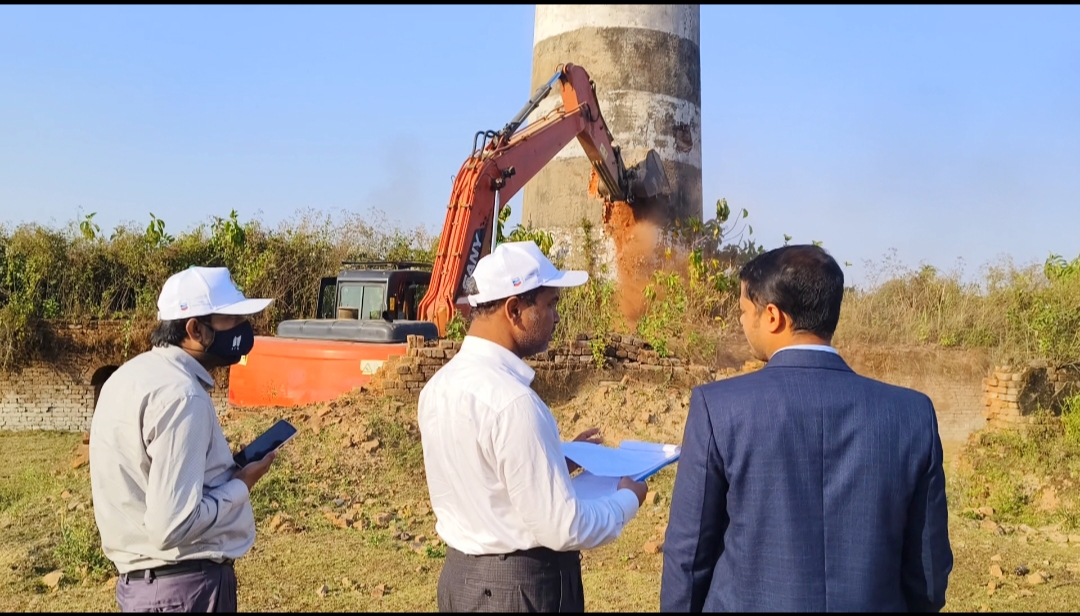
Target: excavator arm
x=501, y=166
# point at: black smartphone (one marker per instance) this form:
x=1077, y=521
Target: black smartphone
x=275, y=437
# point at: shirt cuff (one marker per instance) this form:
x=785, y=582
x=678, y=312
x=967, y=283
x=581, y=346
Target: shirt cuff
x=233, y=491
x=627, y=501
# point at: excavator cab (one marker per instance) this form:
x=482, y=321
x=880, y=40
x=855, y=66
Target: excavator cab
x=372, y=301
x=382, y=290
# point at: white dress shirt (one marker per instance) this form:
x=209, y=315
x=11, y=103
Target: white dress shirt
x=495, y=469
x=161, y=471
x=809, y=347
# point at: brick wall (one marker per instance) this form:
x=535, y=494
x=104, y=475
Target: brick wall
x=950, y=377
x=42, y=397
x=1014, y=394
x=61, y=396
x=406, y=375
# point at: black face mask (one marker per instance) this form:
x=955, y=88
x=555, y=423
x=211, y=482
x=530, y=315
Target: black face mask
x=230, y=345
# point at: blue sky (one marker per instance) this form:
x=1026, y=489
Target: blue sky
x=940, y=132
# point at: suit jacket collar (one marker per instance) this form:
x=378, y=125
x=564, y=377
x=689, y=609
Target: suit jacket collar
x=801, y=358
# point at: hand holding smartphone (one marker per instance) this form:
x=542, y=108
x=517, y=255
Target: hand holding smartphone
x=271, y=440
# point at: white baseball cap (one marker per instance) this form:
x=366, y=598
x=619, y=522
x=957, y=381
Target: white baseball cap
x=200, y=291
x=514, y=268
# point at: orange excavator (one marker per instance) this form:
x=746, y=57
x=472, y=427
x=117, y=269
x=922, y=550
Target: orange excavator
x=367, y=312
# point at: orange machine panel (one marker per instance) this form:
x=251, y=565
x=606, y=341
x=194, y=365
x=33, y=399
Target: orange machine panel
x=293, y=372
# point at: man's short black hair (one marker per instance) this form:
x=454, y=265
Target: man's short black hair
x=803, y=281
x=528, y=298
x=172, y=333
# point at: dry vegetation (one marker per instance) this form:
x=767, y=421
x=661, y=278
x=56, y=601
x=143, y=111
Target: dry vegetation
x=78, y=274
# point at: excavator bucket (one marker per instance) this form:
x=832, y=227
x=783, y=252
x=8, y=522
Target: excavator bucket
x=648, y=178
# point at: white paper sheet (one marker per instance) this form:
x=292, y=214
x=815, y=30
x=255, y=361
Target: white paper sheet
x=587, y=485
x=631, y=459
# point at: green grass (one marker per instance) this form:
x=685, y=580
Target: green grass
x=1070, y=418
x=287, y=568
x=1027, y=476
x=78, y=551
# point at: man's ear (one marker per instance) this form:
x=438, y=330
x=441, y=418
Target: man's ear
x=512, y=309
x=194, y=330
x=775, y=319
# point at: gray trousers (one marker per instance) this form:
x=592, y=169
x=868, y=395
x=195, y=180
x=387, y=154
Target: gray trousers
x=537, y=580
x=212, y=588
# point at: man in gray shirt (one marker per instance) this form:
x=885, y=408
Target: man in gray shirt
x=171, y=505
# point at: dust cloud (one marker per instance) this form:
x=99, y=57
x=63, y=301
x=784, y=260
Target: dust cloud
x=637, y=242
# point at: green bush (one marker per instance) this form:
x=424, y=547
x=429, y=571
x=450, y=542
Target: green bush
x=1070, y=418
x=79, y=273
x=457, y=327
x=79, y=553
x=590, y=309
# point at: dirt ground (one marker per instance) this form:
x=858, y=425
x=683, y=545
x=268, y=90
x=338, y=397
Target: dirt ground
x=344, y=523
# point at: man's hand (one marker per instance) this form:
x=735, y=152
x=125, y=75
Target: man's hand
x=592, y=435
x=639, y=488
x=253, y=472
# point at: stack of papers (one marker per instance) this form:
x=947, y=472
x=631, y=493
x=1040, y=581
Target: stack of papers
x=587, y=485
x=604, y=466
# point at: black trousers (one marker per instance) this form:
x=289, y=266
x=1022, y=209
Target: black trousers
x=198, y=586
x=536, y=580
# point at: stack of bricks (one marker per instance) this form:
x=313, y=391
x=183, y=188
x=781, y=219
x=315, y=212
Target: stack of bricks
x=604, y=352
x=1013, y=396
x=1003, y=398
x=406, y=375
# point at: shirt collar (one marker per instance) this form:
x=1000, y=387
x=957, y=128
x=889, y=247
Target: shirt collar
x=809, y=347
x=481, y=347
x=188, y=363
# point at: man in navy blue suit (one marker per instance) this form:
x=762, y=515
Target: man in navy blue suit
x=804, y=486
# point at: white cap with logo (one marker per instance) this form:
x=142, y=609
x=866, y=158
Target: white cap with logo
x=201, y=291
x=514, y=268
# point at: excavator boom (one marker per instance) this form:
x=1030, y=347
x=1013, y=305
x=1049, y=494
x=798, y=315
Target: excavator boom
x=501, y=166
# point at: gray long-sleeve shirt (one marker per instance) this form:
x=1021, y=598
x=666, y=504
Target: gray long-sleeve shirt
x=161, y=470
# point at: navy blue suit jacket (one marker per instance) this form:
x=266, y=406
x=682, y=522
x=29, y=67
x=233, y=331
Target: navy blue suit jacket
x=806, y=487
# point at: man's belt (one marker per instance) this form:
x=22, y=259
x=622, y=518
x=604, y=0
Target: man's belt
x=540, y=553
x=184, y=566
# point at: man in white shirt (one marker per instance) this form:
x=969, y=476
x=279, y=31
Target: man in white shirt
x=499, y=484
x=171, y=505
